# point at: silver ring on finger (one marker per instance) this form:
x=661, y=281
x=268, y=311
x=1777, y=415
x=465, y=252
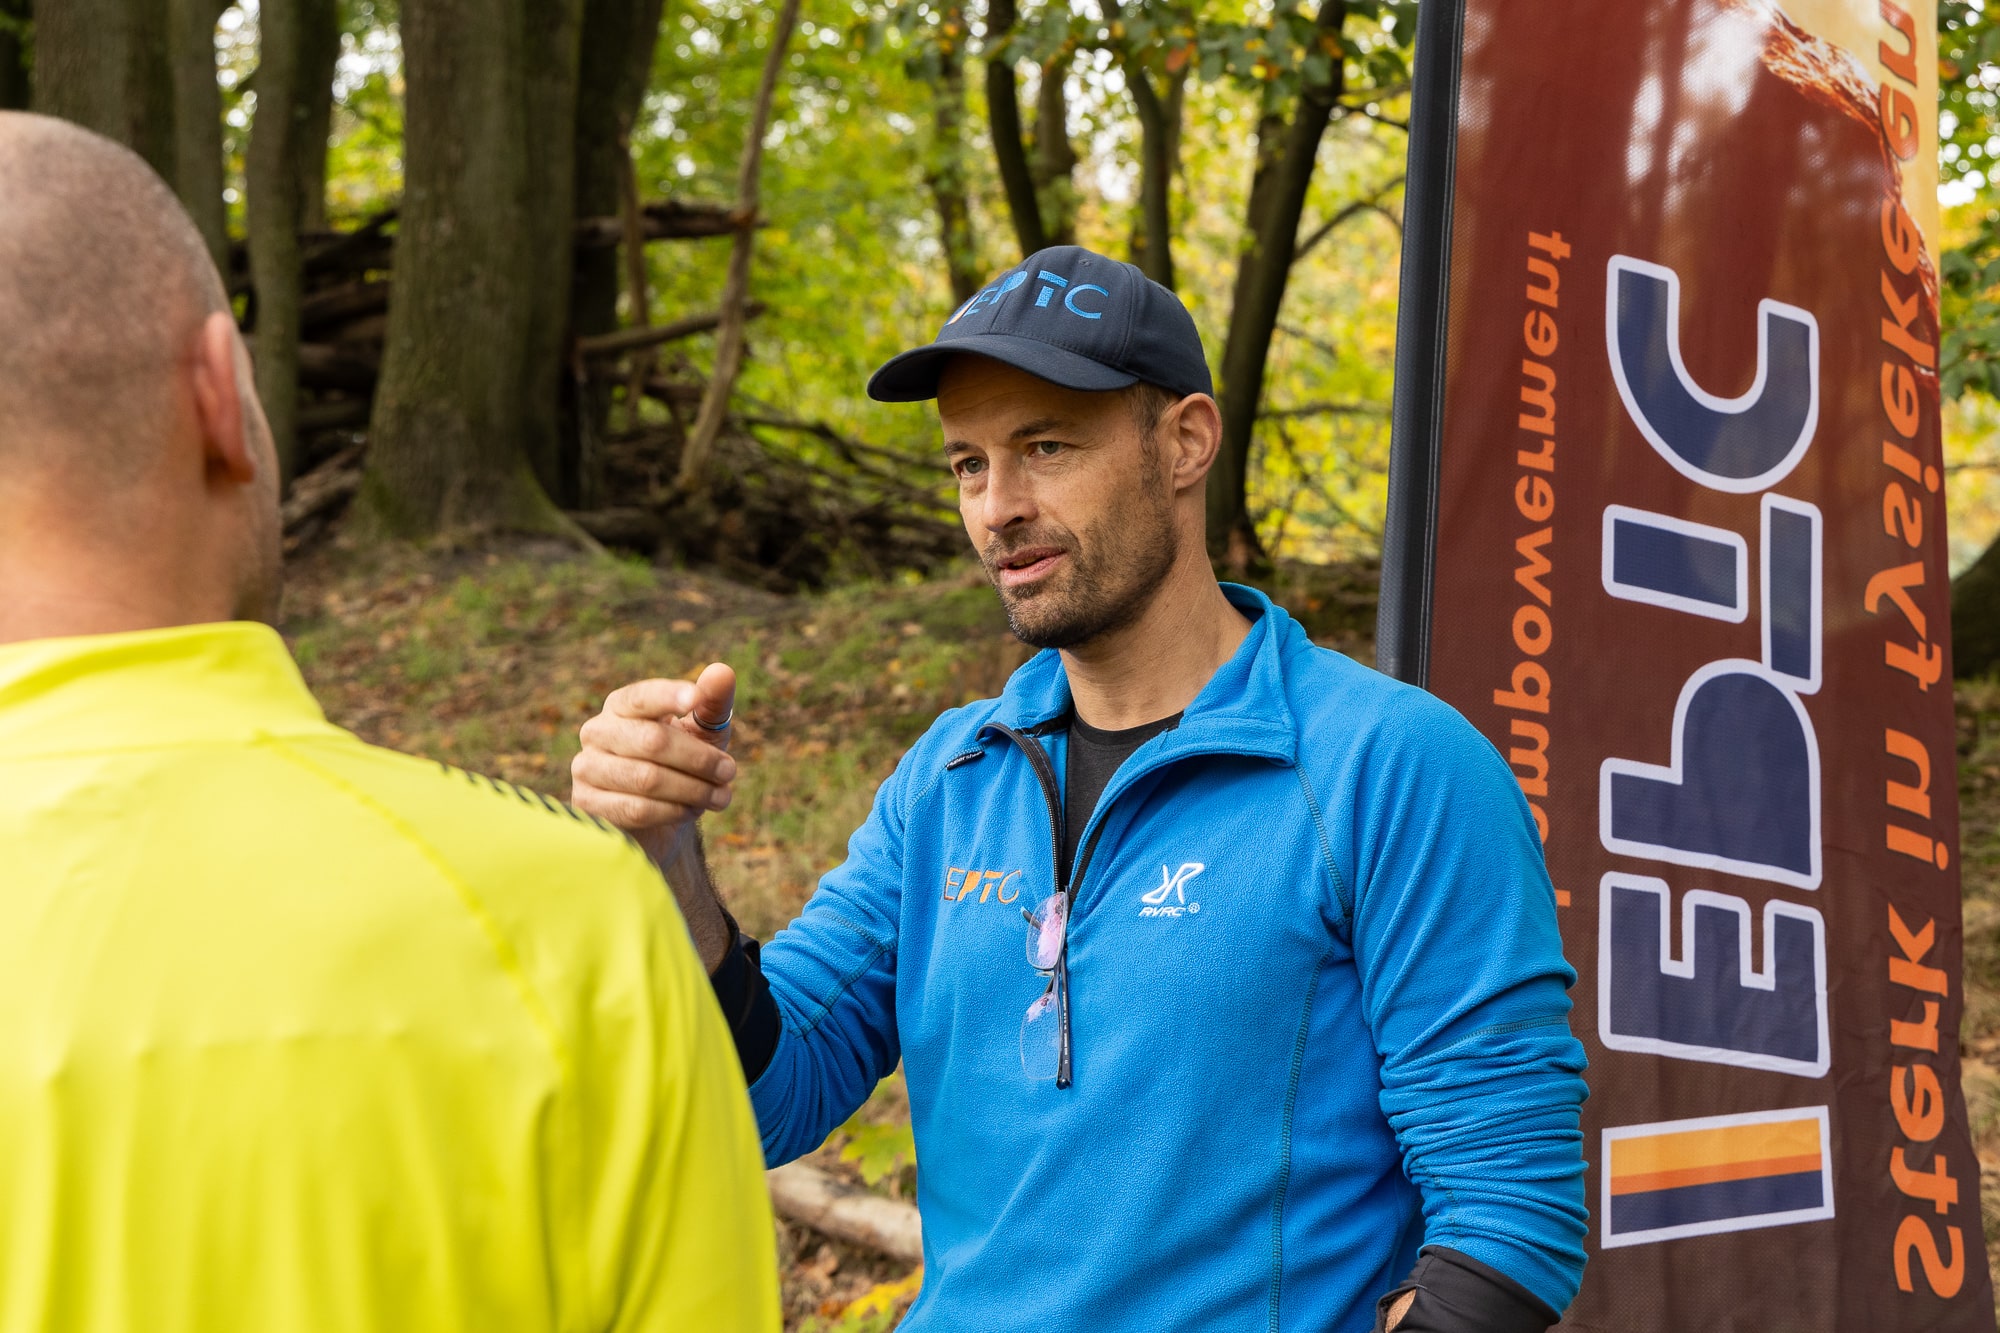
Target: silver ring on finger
x=718, y=726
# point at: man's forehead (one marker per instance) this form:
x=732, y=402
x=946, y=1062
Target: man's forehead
x=977, y=389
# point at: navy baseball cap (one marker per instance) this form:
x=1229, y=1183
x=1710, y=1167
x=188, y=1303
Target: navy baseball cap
x=1070, y=316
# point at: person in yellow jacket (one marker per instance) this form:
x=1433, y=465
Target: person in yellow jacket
x=295, y=1034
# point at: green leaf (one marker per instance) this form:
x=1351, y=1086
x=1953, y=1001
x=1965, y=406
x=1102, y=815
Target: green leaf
x=879, y=1150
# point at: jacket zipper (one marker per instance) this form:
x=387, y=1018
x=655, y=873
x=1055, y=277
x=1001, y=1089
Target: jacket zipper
x=1068, y=878
x=1045, y=774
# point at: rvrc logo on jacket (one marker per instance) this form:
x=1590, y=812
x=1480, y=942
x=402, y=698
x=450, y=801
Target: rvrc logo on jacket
x=1174, y=883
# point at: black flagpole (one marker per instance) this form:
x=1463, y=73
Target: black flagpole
x=1416, y=420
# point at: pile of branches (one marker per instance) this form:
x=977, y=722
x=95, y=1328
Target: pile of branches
x=792, y=505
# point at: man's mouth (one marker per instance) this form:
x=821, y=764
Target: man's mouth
x=1025, y=566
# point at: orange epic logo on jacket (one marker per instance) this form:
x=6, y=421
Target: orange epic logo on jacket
x=1001, y=885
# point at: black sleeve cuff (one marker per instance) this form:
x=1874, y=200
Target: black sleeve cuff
x=1458, y=1294
x=746, y=1003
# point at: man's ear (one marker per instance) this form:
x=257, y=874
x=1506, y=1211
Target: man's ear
x=218, y=400
x=1193, y=428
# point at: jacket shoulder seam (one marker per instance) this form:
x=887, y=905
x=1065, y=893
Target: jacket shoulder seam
x=1343, y=897
x=921, y=794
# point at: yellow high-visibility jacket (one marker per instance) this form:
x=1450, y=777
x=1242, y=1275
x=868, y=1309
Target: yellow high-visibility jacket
x=299, y=1034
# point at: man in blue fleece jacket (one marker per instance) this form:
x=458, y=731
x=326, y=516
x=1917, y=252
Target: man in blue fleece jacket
x=1224, y=971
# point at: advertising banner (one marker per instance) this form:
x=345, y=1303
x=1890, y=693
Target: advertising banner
x=1666, y=524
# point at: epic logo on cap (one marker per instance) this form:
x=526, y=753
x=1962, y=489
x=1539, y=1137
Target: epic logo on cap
x=1052, y=283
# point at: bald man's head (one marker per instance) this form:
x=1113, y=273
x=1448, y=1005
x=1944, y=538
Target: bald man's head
x=104, y=284
x=138, y=483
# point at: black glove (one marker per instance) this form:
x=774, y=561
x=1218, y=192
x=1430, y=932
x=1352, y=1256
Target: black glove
x=1455, y=1293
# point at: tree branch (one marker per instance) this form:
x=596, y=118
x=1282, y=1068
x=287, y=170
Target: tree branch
x=1380, y=118
x=735, y=292
x=850, y=451
x=664, y=220
x=622, y=341
x=1326, y=496
x=1354, y=208
x=1377, y=98
x=1323, y=409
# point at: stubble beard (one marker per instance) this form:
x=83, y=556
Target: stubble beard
x=1101, y=591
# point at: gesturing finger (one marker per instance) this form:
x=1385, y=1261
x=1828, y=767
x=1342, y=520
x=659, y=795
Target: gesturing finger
x=656, y=699
x=671, y=744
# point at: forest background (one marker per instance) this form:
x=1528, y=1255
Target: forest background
x=562, y=309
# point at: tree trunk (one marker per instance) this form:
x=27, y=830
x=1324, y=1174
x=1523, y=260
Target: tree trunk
x=945, y=172
x=1277, y=201
x=1055, y=159
x=141, y=72
x=1159, y=164
x=448, y=448
x=197, y=122
x=1159, y=115
x=1975, y=616
x=553, y=36
x=102, y=64
x=317, y=59
x=16, y=70
x=1229, y=475
x=1176, y=108
x=1003, y=115
x=614, y=62
x=290, y=37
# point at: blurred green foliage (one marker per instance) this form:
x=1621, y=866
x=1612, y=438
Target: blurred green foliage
x=878, y=1150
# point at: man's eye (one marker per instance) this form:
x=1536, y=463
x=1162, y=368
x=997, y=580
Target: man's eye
x=970, y=467
x=1046, y=448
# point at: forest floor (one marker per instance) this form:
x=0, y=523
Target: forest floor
x=491, y=660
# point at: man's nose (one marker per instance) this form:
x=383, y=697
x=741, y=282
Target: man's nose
x=1009, y=497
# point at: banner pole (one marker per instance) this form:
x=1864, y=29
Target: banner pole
x=1416, y=421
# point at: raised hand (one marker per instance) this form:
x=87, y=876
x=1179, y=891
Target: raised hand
x=656, y=759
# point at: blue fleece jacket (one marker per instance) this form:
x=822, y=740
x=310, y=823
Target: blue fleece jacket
x=1350, y=1039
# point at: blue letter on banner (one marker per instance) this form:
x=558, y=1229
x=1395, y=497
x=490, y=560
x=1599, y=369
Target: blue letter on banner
x=1670, y=562
x=1741, y=444
x=1741, y=792
x=1712, y=1005
x=1791, y=579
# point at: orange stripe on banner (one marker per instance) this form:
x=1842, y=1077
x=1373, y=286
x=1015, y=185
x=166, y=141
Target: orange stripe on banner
x=1684, y=1149
x=1640, y=1183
